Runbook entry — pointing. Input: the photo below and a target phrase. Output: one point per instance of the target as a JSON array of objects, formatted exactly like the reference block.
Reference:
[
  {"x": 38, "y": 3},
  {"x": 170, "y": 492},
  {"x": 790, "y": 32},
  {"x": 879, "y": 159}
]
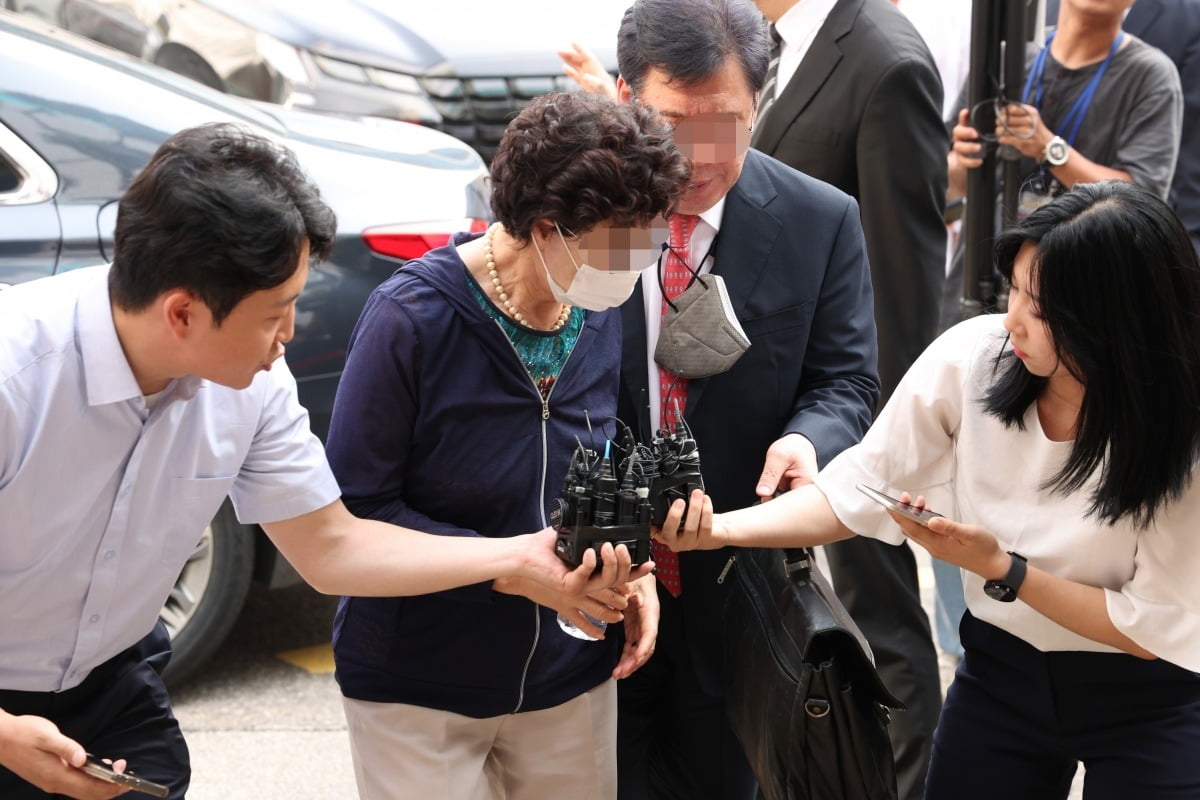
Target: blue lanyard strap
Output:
[{"x": 1074, "y": 119}]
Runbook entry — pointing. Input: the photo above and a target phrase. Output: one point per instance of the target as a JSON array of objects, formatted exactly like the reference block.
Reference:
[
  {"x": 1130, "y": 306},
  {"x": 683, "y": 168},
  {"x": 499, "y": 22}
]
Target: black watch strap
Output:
[{"x": 1005, "y": 590}]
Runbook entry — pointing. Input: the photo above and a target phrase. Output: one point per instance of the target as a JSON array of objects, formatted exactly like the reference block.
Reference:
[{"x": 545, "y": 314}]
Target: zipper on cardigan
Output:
[
  {"x": 537, "y": 618},
  {"x": 725, "y": 570}
]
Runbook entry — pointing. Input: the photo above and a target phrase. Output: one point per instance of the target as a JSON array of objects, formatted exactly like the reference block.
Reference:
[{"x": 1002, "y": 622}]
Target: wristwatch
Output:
[
  {"x": 1005, "y": 589},
  {"x": 1056, "y": 152}
]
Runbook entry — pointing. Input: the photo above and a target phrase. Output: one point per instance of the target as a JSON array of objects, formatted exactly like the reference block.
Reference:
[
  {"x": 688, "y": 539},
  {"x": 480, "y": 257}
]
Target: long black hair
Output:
[{"x": 1118, "y": 286}]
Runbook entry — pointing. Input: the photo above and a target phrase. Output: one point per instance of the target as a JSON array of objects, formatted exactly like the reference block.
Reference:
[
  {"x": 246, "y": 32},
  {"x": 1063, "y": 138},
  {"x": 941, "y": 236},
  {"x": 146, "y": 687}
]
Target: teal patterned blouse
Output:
[{"x": 542, "y": 352}]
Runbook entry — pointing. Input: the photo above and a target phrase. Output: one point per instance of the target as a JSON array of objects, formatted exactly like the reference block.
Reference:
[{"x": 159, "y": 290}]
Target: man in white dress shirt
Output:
[{"x": 133, "y": 399}]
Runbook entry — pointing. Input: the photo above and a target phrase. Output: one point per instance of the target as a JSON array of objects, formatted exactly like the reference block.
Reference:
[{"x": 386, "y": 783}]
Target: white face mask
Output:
[{"x": 591, "y": 288}]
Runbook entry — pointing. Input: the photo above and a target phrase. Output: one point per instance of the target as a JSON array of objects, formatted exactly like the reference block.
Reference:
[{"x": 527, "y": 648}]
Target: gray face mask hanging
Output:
[{"x": 700, "y": 335}]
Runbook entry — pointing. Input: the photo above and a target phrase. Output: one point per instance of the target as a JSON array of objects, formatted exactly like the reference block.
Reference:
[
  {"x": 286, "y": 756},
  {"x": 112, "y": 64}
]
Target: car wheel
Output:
[{"x": 209, "y": 594}]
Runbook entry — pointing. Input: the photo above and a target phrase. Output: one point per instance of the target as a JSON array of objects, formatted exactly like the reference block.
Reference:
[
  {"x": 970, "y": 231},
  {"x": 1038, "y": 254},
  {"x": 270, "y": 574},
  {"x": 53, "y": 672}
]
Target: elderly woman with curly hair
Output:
[{"x": 471, "y": 375}]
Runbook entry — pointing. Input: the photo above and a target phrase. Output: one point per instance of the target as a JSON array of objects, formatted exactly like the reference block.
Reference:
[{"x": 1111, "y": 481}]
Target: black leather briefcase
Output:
[{"x": 801, "y": 691}]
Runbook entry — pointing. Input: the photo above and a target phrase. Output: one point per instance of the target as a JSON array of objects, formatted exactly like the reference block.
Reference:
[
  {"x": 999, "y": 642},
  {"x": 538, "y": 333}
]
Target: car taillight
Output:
[{"x": 415, "y": 239}]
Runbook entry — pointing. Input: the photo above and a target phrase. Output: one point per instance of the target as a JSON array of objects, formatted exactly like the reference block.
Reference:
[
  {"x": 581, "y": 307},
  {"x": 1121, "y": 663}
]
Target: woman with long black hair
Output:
[{"x": 1060, "y": 442}]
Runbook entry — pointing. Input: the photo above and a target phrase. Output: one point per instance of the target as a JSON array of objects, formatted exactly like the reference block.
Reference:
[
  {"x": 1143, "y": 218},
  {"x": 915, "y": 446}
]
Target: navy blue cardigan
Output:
[{"x": 437, "y": 426}]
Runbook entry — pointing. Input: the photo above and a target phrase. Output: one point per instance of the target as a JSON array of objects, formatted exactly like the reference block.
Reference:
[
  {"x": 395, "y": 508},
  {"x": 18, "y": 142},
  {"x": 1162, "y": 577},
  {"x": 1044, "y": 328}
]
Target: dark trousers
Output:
[
  {"x": 121, "y": 710},
  {"x": 1017, "y": 720},
  {"x": 673, "y": 738},
  {"x": 877, "y": 583}
]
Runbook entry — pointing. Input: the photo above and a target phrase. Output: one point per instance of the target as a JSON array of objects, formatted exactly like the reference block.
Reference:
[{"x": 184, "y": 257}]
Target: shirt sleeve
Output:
[
  {"x": 911, "y": 446},
  {"x": 285, "y": 474},
  {"x": 1148, "y": 142},
  {"x": 1159, "y": 607}
]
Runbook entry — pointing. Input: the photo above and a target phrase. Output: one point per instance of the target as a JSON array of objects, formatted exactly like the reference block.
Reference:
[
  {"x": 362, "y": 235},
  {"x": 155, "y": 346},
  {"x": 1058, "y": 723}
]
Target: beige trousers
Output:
[{"x": 568, "y": 751}]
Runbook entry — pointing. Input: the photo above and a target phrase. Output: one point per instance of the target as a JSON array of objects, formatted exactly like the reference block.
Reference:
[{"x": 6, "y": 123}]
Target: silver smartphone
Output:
[
  {"x": 97, "y": 768},
  {"x": 921, "y": 516}
]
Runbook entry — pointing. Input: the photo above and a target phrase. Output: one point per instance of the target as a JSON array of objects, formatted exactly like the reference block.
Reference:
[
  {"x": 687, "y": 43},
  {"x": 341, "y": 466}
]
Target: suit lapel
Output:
[
  {"x": 745, "y": 243},
  {"x": 818, "y": 64}
]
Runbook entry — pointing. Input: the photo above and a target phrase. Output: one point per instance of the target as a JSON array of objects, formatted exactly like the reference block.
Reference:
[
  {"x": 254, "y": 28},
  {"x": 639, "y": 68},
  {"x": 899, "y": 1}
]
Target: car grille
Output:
[{"x": 477, "y": 110}]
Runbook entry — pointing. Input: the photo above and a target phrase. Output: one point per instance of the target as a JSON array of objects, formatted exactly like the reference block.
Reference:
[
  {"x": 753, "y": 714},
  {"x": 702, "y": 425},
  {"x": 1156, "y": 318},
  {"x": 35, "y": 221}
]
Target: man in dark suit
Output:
[
  {"x": 791, "y": 251},
  {"x": 1173, "y": 26},
  {"x": 856, "y": 101}
]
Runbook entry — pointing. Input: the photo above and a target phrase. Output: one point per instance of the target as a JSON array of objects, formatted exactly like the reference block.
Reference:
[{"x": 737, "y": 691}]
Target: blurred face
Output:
[
  {"x": 712, "y": 127},
  {"x": 253, "y": 334},
  {"x": 1029, "y": 335},
  {"x": 1097, "y": 10},
  {"x": 621, "y": 249}
]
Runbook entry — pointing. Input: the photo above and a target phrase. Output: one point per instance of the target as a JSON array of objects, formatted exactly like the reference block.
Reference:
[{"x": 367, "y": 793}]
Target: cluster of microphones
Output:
[{"x": 618, "y": 496}]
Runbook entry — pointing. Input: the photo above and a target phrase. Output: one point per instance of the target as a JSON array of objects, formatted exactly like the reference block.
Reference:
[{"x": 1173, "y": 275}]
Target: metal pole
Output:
[
  {"x": 979, "y": 214},
  {"x": 1014, "y": 80}
]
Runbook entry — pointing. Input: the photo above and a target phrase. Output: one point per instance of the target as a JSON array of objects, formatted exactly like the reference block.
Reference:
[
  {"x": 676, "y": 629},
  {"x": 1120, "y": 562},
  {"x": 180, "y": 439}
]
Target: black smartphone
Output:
[
  {"x": 921, "y": 516},
  {"x": 96, "y": 767}
]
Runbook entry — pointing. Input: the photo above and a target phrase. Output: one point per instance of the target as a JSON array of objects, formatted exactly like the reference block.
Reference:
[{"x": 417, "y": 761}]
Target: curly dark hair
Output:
[
  {"x": 581, "y": 159},
  {"x": 219, "y": 211}
]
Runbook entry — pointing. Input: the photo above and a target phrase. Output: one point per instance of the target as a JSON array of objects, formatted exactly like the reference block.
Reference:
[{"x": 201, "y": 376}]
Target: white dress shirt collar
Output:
[
  {"x": 106, "y": 371},
  {"x": 798, "y": 28}
]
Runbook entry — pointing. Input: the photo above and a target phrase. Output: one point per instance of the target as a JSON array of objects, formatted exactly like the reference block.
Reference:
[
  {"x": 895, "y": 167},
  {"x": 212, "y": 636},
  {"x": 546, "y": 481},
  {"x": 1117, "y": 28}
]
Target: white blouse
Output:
[{"x": 934, "y": 438}]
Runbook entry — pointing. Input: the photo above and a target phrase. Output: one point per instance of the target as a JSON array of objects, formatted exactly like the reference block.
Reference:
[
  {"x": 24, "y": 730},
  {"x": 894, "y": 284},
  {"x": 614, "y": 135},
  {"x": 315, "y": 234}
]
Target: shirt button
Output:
[
  {"x": 108, "y": 554},
  {"x": 94, "y": 618},
  {"x": 125, "y": 491}
]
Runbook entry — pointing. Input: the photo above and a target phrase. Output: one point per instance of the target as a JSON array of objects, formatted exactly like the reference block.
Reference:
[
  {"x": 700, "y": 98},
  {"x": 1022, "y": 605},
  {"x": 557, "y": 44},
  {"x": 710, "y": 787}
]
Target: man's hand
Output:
[
  {"x": 540, "y": 563},
  {"x": 641, "y": 627},
  {"x": 36, "y": 751},
  {"x": 605, "y": 604},
  {"x": 580, "y": 64},
  {"x": 791, "y": 462},
  {"x": 1020, "y": 126},
  {"x": 966, "y": 152}
]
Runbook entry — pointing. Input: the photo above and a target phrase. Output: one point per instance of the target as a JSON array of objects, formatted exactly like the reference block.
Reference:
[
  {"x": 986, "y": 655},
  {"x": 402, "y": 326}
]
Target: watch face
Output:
[
  {"x": 998, "y": 591},
  {"x": 1056, "y": 152}
]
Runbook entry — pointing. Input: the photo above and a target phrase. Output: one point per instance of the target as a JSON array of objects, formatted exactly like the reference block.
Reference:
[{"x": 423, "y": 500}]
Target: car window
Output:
[
  {"x": 25, "y": 177},
  {"x": 9, "y": 179}
]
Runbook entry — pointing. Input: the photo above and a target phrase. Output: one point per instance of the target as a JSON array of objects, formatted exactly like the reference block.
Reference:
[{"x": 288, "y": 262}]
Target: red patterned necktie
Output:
[{"x": 672, "y": 390}]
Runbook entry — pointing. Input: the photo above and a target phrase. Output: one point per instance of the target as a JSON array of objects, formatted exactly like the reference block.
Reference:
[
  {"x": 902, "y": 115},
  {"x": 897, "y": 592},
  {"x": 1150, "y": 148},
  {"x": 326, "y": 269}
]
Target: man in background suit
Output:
[
  {"x": 857, "y": 102},
  {"x": 791, "y": 251},
  {"x": 1173, "y": 26}
]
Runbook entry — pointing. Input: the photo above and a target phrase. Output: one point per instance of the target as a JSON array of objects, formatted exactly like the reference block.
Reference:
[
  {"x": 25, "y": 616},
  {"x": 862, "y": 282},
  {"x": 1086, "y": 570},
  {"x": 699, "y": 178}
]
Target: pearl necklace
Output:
[{"x": 502, "y": 294}]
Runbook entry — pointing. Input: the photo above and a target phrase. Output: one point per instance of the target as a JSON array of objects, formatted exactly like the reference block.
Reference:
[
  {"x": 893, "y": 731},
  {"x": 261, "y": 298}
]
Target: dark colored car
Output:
[
  {"x": 464, "y": 66},
  {"x": 77, "y": 121}
]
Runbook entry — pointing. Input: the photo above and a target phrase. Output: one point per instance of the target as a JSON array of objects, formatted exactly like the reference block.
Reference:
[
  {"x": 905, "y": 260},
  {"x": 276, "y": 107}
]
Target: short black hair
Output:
[
  {"x": 581, "y": 159},
  {"x": 219, "y": 211},
  {"x": 691, "y": 40},
  {"x": 1118, "y": 284}
]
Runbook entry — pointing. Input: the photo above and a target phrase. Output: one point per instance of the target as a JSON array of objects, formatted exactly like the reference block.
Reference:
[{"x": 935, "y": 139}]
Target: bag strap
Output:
[{"x": 798, "y": 559}]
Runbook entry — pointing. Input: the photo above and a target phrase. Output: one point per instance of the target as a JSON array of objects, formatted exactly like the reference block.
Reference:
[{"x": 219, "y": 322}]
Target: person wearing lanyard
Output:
[
  {"x": 1098, "y": 104},
  {"x": 1057, "y": 149}
]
